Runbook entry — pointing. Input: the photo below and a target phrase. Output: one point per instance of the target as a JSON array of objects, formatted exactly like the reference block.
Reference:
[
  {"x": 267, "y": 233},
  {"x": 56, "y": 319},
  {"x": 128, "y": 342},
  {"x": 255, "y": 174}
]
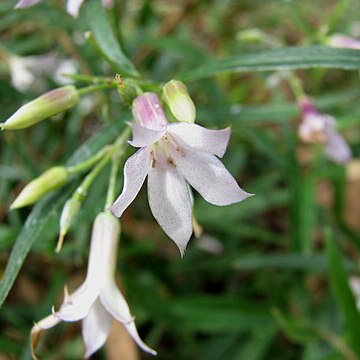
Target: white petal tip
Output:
[{"x": 115, "y": 211}]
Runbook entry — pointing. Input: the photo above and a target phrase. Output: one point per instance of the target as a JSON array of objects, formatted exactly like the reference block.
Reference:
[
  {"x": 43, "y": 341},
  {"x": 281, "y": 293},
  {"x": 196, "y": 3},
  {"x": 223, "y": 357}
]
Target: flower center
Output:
[{"x": 161, "y": 151}]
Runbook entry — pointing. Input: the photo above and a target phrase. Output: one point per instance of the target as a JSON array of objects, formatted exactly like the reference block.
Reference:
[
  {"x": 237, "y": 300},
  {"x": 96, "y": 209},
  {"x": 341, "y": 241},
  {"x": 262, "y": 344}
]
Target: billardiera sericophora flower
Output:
[
  {"x": 46, "y": 105},
  {"x": 72, "y": 6},
  {"x": 343, "y": 41},
  {"x": 172, "y": 156},
  {"x": 98, "y": 300},
  {"x": 316, "y": 127}
]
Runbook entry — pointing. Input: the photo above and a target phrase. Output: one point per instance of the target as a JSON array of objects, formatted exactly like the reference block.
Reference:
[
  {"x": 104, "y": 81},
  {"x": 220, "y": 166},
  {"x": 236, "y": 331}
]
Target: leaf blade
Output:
[{"x": 280, "y": 59}]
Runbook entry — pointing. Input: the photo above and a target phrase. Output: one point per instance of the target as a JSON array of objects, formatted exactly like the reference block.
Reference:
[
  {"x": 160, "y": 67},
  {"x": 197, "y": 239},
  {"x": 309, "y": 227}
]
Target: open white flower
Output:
[
  {"x": 98, "y": 299},
  {"x": 173, "y": 156}
]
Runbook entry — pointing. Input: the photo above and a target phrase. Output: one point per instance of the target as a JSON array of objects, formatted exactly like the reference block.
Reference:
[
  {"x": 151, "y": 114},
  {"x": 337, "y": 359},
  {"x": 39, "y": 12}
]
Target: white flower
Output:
[
  {"x": 173, "y": 156},
  {"x": 72, "y": 6},
  {"x": 316, "y": 127},
  {"x": 98, "y": 299}
]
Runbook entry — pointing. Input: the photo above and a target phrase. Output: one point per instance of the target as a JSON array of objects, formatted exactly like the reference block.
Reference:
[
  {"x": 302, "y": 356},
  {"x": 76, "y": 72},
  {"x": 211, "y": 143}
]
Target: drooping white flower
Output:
[
  {"x": 316, "y": 127},
  {"x": 172, "y": 157},
  {"x": 98, "y": 299},
  {"x": 72, "y": 6}
]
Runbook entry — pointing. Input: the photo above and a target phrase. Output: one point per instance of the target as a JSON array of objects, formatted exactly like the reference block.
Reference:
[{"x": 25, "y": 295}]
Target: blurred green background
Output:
[{"x": 268, "y": 277}]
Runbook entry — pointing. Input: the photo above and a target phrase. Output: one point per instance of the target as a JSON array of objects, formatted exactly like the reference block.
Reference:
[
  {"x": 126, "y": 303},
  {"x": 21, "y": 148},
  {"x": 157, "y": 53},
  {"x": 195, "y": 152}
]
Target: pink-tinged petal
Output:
[
  {"x": 147, "y": 111},
  {"x": 77, "y": 306},
  {"x": 208, "y": 176},
  {"x": 131, "y": 329},
  {"x": 336, "y": 148},
  {"x": 198, "y": 138},
  {"x": 73, "y": 7},
  {"x": 108, "y": 3},
  {"x": 135, "y": 171},
  {"x": 170, "y": 203},
  {"x": 95, "y": 328},
  {"x": 115, "y": 303},
  {"x": 143, "y": 136},
  {"x": 26, "y": 3}
]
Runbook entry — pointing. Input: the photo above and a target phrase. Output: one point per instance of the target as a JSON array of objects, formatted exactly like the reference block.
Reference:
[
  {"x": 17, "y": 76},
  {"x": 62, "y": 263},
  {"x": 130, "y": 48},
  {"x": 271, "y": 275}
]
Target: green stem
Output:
[
  {"x": 118, "y": 152},
  {"x": 85, "y": 165},
  {"x": 89, "y": 89},
  {"x": 296, "y": 86}
]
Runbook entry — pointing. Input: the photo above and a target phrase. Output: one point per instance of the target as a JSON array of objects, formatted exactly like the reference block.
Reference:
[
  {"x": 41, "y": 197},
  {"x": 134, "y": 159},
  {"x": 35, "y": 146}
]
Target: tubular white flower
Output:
[
  {"x": 173, "y": 155},
  {"x": 98, "y": 299}
]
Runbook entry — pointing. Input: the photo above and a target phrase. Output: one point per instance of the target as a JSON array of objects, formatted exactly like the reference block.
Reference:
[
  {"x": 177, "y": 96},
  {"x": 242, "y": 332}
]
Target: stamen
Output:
[
  {"x": 171, "y": 161},
  {"x": 153, "y": 160}
]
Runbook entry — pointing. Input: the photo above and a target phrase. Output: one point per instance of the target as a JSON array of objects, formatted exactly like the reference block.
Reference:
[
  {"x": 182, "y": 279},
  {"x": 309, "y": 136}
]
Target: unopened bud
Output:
[
  {"x": 177, "y": 97},
  {"x": 71, "y": 208},
  {"x": 48, "y": 104},
  {"x": 36, "y": 189},
  {"x": 126, "y": 89}
]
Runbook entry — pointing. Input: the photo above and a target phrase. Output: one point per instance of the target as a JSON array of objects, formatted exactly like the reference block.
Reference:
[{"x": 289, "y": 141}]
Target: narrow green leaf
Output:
[
  {"x": 342, "y": 292},
  {"x": 106, "y": 40},
  {"x": 280, "y": 59},
  {"x": 47, "y": 210}
]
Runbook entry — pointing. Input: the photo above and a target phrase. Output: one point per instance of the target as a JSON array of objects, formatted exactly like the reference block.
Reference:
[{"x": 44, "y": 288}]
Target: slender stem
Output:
[
  {"x": 85, "y": 165},
  {"x": 110, "y": 196},
  {"x": 119, "y": 150},
  {"x": 92, "y": 88},
  {"x": 296, "y": 86}
]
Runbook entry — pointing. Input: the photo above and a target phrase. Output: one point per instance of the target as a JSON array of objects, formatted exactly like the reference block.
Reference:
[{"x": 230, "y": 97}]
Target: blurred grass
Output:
[{"x": 267, "y": 293}]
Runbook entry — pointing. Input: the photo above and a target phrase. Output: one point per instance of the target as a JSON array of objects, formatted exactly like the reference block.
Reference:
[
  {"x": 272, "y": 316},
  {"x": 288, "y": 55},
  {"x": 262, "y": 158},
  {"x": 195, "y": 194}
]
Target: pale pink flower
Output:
[
  {"x": 98, "y": 300},
  {"x": 316, "y": 127},
  {"x": 72, "y": 6},
  {"x": 174, "y": 156},
  {"x": 354, "y": 282},
  {"x": 344, "y": 41}
]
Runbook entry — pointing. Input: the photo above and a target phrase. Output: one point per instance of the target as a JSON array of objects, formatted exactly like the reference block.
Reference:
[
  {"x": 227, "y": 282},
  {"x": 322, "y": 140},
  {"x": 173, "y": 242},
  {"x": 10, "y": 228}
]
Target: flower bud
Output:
[
  {"x": 36, "y": 189},
  {"x": 70, "y": 210},
  {"x": 177, "y": 97},
  {"x": 126, "y": 89},
  {"x": 46, "y": 105},
  {"x": 147, "y": 111}
]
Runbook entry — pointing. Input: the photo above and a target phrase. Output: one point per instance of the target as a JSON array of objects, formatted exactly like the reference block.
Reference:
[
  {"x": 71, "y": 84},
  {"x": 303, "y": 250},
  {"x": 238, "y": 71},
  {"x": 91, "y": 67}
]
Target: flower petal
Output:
[
  {"x": 135, "y": 171},
  {"x": 336, "y": 148},
  {"x": 73, "y": 7},
  {"x": 143, "y": 136},
  {"x": 38, "y": 329},
  {"x": 115, "y": 303},
  {"x": 170, "y": 203},
  {"x": 131, "y": 329},
  {"x": 26, "y": 3},
  {"x": 78, "y": 304},
  {"x": 95, "y": 328},
  {"x": 198, "y": 138},
  {"x": 208, "y": 176}
]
